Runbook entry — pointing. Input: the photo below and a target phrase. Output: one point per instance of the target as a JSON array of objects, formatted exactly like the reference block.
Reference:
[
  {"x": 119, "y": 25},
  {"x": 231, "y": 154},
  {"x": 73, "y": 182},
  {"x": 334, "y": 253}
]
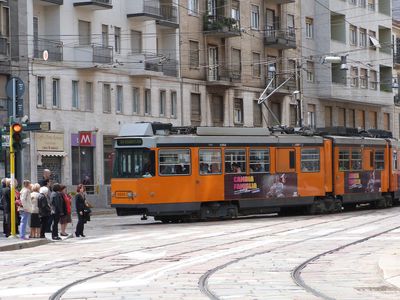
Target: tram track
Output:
[{"x": 204, "y": 279}]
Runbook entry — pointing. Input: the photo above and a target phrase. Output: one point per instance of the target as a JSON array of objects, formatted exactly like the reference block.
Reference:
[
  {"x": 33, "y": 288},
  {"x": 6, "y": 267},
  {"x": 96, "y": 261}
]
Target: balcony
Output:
[
  {"x": 4, "y": 48},
  {"x": 53, "y": 47},
  {"x": 164, "y": 14},
  {"x": 94, "y": 4},
  {"x": 223, "y": 76},
  {"x": 280, "y": 39},
  {"x": 281, "y": 1},
  {"x": 93, "y": 54},
  {"x": 102, "y": 55},
  {"x": 220, "y": 26},
  {"x": 52, "y": 2},
  {"x": 396, "y": 100},
  {"x": 146, "y": 65}
]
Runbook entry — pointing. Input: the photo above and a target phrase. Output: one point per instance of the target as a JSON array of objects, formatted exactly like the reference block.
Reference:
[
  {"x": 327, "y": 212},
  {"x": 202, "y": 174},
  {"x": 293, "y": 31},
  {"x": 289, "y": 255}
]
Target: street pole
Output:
[{"x": 12, "y": 164}]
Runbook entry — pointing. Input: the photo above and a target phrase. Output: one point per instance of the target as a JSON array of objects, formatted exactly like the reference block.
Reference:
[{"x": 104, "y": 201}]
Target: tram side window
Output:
[
  {"x": 210, "y": 161},
  {"x": 379, "y": 160},
  {"x": 344, "y": 160},
  {"x": 134, "y": 163},
  {"x": 235, "y": 161},
  {"x": 356, "y": 160},
  {"x": 310, "y": 160},
  {"x": 174, "y": 162},
  {"x": 394, "y": 160},
  {"x": 259, "y": 161}
]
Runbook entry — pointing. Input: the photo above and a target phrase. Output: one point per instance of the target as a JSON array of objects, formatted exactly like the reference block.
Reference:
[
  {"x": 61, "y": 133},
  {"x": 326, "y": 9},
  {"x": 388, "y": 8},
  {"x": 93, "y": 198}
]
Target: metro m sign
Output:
[{"x": 85, "y": 138}]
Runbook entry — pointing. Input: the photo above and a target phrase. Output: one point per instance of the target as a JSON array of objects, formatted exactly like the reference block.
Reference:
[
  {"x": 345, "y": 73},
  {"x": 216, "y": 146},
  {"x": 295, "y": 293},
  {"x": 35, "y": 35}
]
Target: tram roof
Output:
[{"x": 356, "y": 140}]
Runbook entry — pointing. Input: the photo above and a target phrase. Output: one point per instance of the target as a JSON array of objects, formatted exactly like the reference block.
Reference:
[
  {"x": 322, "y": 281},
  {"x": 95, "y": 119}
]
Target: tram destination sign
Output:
[{"x": 129, "y": 142}]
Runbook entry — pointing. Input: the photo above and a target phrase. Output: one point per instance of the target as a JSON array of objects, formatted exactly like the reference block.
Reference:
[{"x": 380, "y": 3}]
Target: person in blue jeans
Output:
[{"x": 26, "y": 209}]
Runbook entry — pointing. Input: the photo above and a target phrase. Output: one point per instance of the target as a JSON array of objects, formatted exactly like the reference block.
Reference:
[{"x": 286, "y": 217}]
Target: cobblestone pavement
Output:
[{"x": 250, "y": 258}]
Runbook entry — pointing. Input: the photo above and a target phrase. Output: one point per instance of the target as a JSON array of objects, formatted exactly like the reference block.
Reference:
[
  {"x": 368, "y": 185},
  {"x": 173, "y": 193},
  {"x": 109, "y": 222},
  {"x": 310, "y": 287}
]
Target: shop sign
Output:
[
  {"x": 83, "y": 139},
  {"x": 49, "y": 141}
]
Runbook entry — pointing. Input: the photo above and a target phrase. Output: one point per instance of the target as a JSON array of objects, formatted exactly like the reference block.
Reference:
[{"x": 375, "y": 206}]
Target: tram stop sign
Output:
[{"x": 19, "y": 87}]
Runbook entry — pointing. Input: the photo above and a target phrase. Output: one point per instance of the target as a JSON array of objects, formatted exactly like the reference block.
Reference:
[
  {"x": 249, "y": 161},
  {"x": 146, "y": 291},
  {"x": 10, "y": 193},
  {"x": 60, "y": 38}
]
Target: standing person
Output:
[
  {"x": 80, "y": 209},
  {"x": 35, "y": 220},
  {"x": 45, "y": 181},
  {"x": 2, "y": 186},
  {"x": 44, "y": 209},
  {"x": 6, "y": 200},
  {"x": 26, "y": 209},
  {"x": 57, "y": 209},
  {"x": 64, "y": 220}
]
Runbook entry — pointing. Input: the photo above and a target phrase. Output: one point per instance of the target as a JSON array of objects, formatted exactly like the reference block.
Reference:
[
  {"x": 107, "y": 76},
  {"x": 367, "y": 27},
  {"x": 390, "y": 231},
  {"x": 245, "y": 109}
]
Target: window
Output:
[
  {"x": 386, "y": 121},
  {"x": 363, "y": 38},
  {"x": 75, "y": 94},
  {"x": 163, "y": 96},
  {"x": 341, "y": 116},
  {"x": 309, "y": 28},
  {"x": 41, "y": 91},
  {"x": 84, "y": 33},
  {"x": 89, "y": 96},
  {"x": 373, "y": 42},
  {"x": 174, "y": 162},
  {"x": 373, "y": 119},
  {"x": 193, "y": 7},
  {"x": 379, "y": 160},
  {"x": 310, "y": 71},
  {"x": 259, "y": 161},
  {"x": 363, "y": 78},
  {"x": 236, "y": 63},
  {"x": 356, "y": 160},
  {"x": 371, "y": 5},
  {"x": 195, "y": 104},
  {"x": 328, "y": 116},
  {"x": 117, "y": 39},
  {"x": 106, "y": 98},
  {"x": 210, "y": 161},
  {"x": 147, "y": 102},
  {"x": 351, "y": 114},
  {"x": 255, "y": 17},
  {"x": 256, "y": 65},
  {"x": 235, "y": 11},
  {"x": 5, "y": 21},
  {"x": 293, "y": 115},
  {"x": 82, "y": 160},
  {"x": 354, "y": 76},
  {"x": 344, "y": 160},
  {"x": 235, "y": 161},
  {"x": 134, "y": 163},
  {"x": 194, "y": 60},
  {"x": 238, "y": 111},
  {"x": 56, "y": 93},
  {"x": 108, "y": 158},
  {"x": 257, "y": 114},
  {"x": 310, "y": 160},
  {"x": 290, "y": 26},
  {"x": 373, "y": 81},
  {"x": 360, "y": 119},
  {"x": 363, "y": 3},
  {"x": 35, "y": 27},
  {"x": 136, "y": 41},
  {"x": 104, "y": 35},
  {"x": 120, "y": 99},
  {"x": 354, "y": 2},
  {"x": 135, "y": 101},
  {"x": 353, "y": 35},
  {"x": 173, "y": 104},
  {"x": 311, "y": 115}
]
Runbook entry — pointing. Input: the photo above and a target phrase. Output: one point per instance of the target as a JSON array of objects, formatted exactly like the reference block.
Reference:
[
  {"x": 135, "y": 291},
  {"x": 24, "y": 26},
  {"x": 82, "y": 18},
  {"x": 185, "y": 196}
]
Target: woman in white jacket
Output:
[{"x": 26, "y": 209}]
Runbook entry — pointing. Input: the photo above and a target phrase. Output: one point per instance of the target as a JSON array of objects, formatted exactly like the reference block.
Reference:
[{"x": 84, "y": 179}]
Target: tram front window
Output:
[{"x": 134, "y": 163}]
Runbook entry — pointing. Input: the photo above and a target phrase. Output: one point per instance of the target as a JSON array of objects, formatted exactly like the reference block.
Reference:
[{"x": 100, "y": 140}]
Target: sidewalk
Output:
[
  {"x": 15, "y": 243},
  {"x": 389, "y": 265}
]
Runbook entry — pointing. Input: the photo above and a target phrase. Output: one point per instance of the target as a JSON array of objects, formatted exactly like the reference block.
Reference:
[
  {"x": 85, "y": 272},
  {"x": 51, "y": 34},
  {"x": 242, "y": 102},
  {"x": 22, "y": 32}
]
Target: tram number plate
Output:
[{"x": 121, "y": 194}]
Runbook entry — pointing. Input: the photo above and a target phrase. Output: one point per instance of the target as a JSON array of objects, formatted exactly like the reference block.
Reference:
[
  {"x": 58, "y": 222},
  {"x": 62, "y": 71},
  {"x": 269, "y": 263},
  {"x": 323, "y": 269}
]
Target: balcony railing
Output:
[
  {"x": 169, "y": 67},
  {"x": 53, "y": 47},
  {"x": 4, "y": 46},
  {"x": 58, "y": 2},
  {"x": 280, "y": 39},
  {"x": 221, "y": 73},
  {"x": 102, "y": 54},
  {"x": 94, "y": 4},
  {"x": 165, "y": 12},
  {"x": 221, "y": 26}
]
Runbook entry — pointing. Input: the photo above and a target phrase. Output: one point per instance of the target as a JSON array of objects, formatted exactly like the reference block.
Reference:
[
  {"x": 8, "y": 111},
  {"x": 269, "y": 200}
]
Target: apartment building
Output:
[
  {"x": 94, "y": 65},
  {"x": 359, "y": 93},
  {"x": 229, "y": 51}
]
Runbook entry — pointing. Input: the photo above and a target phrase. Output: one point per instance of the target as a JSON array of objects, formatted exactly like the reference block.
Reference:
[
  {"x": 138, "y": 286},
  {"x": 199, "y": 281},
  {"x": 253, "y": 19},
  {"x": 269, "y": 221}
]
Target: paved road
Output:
[{"x": 253, "y": 258}]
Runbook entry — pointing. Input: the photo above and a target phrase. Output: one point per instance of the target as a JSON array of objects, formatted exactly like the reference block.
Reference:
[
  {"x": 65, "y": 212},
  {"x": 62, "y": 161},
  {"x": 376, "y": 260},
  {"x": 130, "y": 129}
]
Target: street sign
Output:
[
  {"x": 37, "y": 126},
  {"x": 19, "y": 87}
]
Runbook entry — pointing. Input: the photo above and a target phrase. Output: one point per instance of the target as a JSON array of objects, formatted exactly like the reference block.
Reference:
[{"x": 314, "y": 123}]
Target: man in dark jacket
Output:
[
  {"x": 6, "y": 201},
  {"x": 44, "y": 210},
  {"x": 58, "y": 209}
]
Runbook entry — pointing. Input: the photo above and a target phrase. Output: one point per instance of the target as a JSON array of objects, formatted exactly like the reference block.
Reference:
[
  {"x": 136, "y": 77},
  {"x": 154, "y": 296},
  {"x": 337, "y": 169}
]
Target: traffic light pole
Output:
[{"x": 12, "y": 163}]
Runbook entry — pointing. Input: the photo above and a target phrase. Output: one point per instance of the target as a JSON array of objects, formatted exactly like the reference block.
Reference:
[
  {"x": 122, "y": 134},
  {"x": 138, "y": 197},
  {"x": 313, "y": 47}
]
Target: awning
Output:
[
  {"x": 52, "y": 153},
  {"x": 374, "y": 42}
]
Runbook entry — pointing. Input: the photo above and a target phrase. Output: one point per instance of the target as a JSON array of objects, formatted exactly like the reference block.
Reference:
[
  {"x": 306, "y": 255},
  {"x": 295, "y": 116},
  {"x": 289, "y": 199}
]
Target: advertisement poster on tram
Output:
[
  {"x": 362, "y": 182},
  {"x": 255, "y": 186}
]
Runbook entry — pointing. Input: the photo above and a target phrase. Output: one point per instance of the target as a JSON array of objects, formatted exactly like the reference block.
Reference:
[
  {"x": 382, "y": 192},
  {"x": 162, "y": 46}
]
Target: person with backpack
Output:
[
  {"x": 44, "y": 209},
  {"x": 57, "y": 209}
]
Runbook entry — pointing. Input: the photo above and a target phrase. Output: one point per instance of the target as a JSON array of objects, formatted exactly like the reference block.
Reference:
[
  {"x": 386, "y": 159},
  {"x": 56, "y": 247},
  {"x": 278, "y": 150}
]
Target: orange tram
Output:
[{"x": 181, "y": 174}]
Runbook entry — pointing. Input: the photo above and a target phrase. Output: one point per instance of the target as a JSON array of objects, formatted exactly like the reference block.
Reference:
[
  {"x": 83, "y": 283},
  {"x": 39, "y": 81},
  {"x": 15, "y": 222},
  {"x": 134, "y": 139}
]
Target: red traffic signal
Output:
[{"x": 17, "y": 128}]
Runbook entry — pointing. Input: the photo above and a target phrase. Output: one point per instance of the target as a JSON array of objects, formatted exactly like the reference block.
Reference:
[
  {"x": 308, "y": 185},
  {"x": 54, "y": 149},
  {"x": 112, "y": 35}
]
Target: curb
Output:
[
  {"x": 24, "y": 245},
  {"x": 389, "y": 267}
]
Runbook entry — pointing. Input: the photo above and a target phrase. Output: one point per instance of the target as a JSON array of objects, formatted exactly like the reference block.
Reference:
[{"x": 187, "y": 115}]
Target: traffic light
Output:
[{"x": 17, "y": 136}]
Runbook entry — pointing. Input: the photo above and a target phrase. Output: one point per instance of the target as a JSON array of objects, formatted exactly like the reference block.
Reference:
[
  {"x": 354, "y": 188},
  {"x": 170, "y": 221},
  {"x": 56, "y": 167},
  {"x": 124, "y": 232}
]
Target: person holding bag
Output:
[{"x": 80, "y": 204}]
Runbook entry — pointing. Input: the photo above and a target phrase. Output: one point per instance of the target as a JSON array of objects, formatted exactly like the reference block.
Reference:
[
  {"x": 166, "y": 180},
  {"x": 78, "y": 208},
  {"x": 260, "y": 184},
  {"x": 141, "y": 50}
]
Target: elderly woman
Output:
[
  {"x": 44, "y": 209},
  {"x": 35, "y": 220}
]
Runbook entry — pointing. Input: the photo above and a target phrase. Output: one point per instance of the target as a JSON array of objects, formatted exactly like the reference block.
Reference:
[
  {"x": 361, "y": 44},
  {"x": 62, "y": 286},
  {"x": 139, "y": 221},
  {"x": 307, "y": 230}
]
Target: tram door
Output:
[{"x": 286, "y": 160}]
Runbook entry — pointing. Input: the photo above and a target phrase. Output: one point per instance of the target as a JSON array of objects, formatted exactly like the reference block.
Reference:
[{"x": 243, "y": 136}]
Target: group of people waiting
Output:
[{"x": 43, "y": 206}]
